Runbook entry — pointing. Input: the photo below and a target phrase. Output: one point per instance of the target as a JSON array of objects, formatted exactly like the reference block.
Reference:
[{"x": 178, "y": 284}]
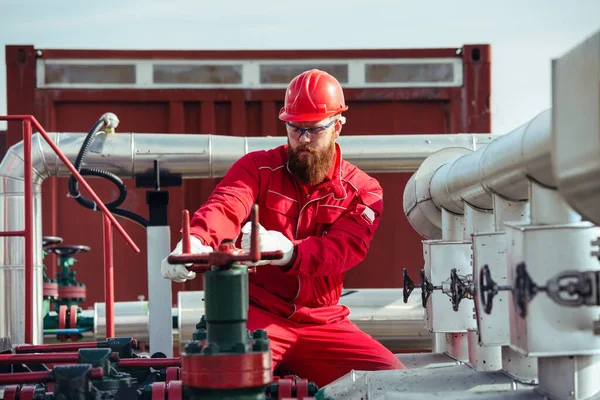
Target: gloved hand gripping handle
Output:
[{"x": 227, "y": 254}]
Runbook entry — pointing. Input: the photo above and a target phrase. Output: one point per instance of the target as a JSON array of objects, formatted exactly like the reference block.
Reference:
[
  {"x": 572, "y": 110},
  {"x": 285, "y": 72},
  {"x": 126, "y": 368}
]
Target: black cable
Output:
[{"x": 90, "y": 204}]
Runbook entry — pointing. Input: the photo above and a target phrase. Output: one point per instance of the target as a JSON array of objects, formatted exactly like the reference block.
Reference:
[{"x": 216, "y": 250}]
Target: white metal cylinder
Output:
[
  {"x": 482, "y": 358},
  {"x": 12, "y": 267},
  {"x": 570, "y": 377},
  {"x": 159, "y": 291}
]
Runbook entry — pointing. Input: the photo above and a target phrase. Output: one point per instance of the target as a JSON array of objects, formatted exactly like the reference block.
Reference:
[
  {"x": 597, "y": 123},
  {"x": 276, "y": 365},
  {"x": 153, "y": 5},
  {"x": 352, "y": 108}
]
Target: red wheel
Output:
[
  {"x": 158, "y": 390},
  {"x": 172, "y": 374},
  {"x": 284, "y": 388},
  {"x": 62, "y": 321},
  {"x": 301, "y": 389},
  {"x": 27, "y": 393},
  {"x": 175, "y": 390},
  {"x": 73, "y": 321},
  {"x": 10, "y": 392}
]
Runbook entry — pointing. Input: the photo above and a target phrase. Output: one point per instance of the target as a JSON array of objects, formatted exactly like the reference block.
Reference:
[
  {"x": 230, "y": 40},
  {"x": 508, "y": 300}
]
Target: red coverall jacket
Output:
[{"x": 331, "y": 226}]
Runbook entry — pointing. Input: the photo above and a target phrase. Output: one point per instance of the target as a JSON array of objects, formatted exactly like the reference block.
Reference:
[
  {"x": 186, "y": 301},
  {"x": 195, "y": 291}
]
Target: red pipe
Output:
[
  {"x": 56, "y": 348},
  {"x": 109, "y": 285},
  {"x": 45, "y": 358},
  {"x": 28, "y": 171},
  {"x": 43, "y": 376},
  {"x": 56, "y": 358},
  {"x": 150, "y": 362},
  {"x": 13, "y": 233},
  {"x": 185, "y": 240}
]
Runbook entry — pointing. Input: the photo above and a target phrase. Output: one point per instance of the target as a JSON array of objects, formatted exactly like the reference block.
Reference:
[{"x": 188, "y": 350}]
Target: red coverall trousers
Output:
[{"x": 321, "y": 353}]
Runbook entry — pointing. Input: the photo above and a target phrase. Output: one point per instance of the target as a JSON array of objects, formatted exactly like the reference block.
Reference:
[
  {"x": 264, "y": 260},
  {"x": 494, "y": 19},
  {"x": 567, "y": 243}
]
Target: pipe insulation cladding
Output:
[
  {"x": 128, "y": 155},
  {"x": 454, "y": 176}
]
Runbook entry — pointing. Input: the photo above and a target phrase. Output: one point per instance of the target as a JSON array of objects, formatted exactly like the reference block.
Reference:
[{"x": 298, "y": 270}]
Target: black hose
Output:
[{"x": 90, "y": 204}]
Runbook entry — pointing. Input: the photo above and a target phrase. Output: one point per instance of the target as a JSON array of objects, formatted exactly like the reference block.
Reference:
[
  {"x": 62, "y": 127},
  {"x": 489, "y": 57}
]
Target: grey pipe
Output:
[
  {"x": 454, "y": 177},
  {"x": 193, "y": 156},
  {"x": 503, "y": 168}
]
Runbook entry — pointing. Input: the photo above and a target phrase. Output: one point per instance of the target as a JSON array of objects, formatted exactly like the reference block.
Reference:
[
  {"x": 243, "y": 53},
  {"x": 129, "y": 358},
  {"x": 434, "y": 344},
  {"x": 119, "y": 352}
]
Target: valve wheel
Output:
[
  {"x": 172, "y": 374},
  {"x": 284, "y": 388},
  {"x": 524, "y": 289},
  {"x": 458, "y": 289},
  {"x": 159, "y": 389},
  {"x": 426, "y": 289},
  {"x": 27, "y": 393},
  {"x": 50, "y": 240},
  {"x": 67, "y": 250},
  {"x": 408, "y": 285},
  {"x": 175, "y": 390},
  {"x": 10, "y": 392},
  {"x": 226, "y": 254},
  {"x": 301, "y": 389},
  {"x": 488, "y": 289},
  {"x": 73, "y": 321},
  {"x": 62, "y": 321}
]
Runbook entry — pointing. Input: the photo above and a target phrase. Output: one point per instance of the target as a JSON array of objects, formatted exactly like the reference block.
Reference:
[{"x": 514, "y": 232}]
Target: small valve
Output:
[
  {"x": 426, "y": 288},
  {"x": 461, "y": 287},
  {"x": 568, "y": 288},
  {"x": 488, "y": 289},
  {"x": 409, "y": 285}
]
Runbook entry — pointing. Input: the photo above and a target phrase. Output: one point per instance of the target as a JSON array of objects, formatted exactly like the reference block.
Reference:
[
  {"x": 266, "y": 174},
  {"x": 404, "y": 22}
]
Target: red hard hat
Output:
[{"x": 312, "y": 96}]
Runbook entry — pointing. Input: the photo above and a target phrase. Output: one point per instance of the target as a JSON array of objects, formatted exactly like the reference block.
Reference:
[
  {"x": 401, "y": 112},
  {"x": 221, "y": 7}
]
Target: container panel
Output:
[{"x": 240, "y": 112}]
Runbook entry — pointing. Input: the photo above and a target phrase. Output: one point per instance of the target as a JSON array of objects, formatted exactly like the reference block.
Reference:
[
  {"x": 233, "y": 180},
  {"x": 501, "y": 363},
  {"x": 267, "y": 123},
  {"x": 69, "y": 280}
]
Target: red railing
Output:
[{"x": 108, "y": 221}]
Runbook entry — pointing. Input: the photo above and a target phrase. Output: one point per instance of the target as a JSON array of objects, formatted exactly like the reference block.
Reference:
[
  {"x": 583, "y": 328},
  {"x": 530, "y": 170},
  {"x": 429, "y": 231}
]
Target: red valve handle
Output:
[{"x": 227, "y": 252}]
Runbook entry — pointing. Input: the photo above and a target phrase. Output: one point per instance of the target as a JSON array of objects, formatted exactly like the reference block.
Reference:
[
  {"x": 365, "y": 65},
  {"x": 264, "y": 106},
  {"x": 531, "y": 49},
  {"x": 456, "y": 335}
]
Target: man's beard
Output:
[{"x": 310, "y": 168}]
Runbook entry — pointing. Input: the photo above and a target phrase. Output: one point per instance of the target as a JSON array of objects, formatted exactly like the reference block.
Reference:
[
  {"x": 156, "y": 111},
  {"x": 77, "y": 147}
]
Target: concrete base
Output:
[{"x": 421, "y": 383}]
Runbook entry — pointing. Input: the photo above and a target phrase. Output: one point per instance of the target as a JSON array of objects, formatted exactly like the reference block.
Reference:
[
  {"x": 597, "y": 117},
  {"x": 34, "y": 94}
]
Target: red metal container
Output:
[{"x": 389, "y": 91}]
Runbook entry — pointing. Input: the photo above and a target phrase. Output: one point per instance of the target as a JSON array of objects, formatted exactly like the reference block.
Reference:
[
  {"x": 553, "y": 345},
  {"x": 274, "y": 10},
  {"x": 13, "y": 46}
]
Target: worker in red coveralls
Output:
[{"x": 322, "y": 213}]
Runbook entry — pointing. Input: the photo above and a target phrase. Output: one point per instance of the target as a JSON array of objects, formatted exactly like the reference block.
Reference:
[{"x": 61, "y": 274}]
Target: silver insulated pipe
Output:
[
  {"x": 129, "y": 154},
  {"x": 504, "y": 167}
]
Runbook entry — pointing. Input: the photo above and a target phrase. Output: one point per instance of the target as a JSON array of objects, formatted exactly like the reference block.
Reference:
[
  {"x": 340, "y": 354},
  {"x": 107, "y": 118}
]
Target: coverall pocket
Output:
[
  {"x": 280, "y": 213},
  {"x": 326, "y": 216}
]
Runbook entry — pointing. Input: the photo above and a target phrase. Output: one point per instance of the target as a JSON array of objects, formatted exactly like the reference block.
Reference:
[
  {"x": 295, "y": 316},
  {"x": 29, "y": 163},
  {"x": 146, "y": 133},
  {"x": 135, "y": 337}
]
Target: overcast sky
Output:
[{"x": 525, "y": 35}]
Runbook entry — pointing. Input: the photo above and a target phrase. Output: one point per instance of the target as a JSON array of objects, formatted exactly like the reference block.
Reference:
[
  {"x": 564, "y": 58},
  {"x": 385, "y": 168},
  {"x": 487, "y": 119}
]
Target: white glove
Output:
[
  {"x": 269, "y": 241},
  {"x": 177, "y": 272}
]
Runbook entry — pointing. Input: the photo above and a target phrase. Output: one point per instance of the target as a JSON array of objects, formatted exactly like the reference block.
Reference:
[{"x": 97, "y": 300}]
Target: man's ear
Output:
[{"x": 338, "y": 127}]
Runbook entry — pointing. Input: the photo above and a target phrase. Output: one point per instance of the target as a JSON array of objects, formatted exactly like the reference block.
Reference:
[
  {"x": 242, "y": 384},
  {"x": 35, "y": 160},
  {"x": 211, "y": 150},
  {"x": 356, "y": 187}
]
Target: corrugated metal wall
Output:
[{"x": 240, "y": 112}]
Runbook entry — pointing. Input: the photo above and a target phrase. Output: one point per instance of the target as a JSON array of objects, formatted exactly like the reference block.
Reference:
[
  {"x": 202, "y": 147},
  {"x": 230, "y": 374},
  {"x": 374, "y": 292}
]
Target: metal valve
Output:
[
  {"x": 457, "y": 287},
  {"x": 409, "y": 286},
  {"x": 488, "y": 289},
  {"x": 568, "y": 288},
  {"x": 227, "y": 254},
  {"x": 426, "y": 287},
  {"x": 461, "y": 287}
]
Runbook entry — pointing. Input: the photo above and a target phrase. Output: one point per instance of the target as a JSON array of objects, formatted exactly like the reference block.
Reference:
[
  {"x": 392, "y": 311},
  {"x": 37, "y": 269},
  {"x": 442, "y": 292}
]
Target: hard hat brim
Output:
[{"x": 311, "y": 117}]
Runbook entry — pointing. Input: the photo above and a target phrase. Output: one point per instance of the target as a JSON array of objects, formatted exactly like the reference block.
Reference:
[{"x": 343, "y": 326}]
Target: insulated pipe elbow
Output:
[{"x": 448, "y": 180}]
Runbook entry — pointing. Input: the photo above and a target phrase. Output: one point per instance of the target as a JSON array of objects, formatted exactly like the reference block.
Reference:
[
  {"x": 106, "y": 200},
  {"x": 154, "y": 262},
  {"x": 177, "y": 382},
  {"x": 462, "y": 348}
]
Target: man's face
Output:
[{"x": 311, "y": 152}]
